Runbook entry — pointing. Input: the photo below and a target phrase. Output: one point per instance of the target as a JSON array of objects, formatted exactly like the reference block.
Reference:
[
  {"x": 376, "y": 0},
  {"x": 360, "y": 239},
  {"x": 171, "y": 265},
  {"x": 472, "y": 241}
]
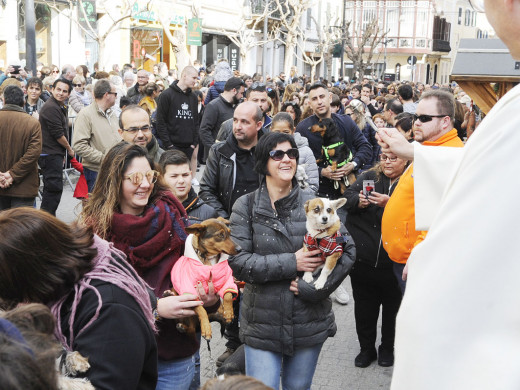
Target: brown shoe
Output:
[{"x": 222, "y": 358}]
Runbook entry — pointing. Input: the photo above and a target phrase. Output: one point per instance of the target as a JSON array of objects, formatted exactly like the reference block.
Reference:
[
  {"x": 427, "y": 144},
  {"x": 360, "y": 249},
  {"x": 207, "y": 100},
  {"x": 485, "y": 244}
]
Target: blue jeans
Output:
[
  {"x": 298, "y": 369},
  {"x": 175, "y": 374},
  {"x": 91, "y": 177}
]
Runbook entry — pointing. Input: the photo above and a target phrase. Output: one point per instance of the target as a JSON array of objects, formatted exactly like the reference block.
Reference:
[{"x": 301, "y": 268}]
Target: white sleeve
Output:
[{"x": 433, "y": 168}]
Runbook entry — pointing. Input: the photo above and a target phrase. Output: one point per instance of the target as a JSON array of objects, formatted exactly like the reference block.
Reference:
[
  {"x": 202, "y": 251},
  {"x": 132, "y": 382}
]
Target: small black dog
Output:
[{"x": 334, "y": 152}]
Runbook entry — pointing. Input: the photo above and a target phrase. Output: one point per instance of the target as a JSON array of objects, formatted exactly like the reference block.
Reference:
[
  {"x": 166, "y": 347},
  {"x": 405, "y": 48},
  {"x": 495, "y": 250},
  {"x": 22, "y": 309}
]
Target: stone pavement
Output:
[{"x": 335, "y": 371}]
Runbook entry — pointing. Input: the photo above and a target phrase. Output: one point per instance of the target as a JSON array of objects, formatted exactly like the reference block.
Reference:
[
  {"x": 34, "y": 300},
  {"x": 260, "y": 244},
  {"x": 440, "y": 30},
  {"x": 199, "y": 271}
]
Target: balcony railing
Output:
[{"x": 258, "y": 7}]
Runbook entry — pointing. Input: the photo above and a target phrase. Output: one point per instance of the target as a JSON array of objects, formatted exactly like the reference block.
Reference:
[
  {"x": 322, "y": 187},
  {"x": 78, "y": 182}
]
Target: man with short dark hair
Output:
[
  {"x": 95, "y": 130},
  {"x": 178, "y": 114},
  {"x": 405, "y": 92},
  {"x": 220, "y": 110},
  {"x": 392, "y": 108},
  {"x": 55, "y": 133},
  {"x": 135, "y": 128},
  {"x": 19, "y": 181}
]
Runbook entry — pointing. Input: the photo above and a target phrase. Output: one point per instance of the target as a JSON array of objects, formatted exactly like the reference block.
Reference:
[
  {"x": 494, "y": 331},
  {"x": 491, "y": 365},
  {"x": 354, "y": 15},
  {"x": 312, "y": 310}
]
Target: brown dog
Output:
[
  {"x": 334, "y": 152},
  {"x": 205, "y": 259},
  {"x": 323, "y": 233}
]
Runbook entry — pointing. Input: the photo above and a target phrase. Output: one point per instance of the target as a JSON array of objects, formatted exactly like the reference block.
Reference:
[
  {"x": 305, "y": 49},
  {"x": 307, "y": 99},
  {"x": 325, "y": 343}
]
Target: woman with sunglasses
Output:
[
  {"x": 79, "y": 97},
  {"x": 373, "y": 281},
  {"x": 133, "y": 208},
  {"x": 284, "y": 321}
]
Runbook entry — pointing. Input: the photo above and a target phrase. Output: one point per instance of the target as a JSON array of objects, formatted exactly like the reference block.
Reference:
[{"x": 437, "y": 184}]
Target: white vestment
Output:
[{"x": 459, "y": 322}]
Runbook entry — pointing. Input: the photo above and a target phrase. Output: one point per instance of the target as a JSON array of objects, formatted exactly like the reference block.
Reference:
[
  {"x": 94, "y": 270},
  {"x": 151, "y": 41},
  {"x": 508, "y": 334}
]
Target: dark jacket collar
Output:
[
  {"x": 12, "y": 107},
  {"x": 191, "y": 200},
  {"x": 176, "y": 88}
]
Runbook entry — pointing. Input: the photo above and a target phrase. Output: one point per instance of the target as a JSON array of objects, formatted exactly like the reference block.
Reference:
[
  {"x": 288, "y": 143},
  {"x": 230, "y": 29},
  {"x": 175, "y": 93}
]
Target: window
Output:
[
  {"x": 460, "y": 16},
  {"x": 309, "y": 18},
  {"x": 467, "y": 18}
]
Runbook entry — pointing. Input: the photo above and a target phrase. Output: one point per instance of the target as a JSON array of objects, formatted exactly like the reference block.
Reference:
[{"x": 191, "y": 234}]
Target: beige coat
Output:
[{"x": 95, "y": 132}]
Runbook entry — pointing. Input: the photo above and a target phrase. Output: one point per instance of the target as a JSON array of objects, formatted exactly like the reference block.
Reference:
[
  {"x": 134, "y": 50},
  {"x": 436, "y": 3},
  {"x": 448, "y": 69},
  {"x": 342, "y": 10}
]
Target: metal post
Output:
[
  {"x": 30, "y": 36},
  {"x": 343, "y": 33},
  {"x": 264, "y": 50}
]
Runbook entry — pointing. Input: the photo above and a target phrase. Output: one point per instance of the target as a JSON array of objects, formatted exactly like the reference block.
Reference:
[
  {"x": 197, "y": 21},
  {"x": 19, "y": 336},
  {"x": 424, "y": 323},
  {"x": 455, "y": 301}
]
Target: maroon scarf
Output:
[{"x": 153, "y": 240}]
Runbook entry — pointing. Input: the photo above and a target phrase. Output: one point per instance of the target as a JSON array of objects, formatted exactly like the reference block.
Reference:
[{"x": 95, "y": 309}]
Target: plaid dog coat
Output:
[{"x": 327, "y": 245}]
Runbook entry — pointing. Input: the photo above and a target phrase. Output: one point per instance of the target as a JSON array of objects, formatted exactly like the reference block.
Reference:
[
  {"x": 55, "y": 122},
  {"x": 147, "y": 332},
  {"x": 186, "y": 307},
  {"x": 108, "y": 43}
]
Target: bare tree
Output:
[
  {"x": 316, "y": 58},
  {"x": 244, "y": 37},
  {"x": 116, "y": 14},
  {"x": 177, "y": 41},
  {"x": 290, "y": 14},
  {"x": 360, "y": 47}
]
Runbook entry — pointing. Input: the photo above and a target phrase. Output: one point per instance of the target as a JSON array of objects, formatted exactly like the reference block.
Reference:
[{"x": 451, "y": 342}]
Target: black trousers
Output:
[
  {"x": 52, "y": 171},
  {"x": 11, "y": 202},
  {"x": 373, "y": 288}
]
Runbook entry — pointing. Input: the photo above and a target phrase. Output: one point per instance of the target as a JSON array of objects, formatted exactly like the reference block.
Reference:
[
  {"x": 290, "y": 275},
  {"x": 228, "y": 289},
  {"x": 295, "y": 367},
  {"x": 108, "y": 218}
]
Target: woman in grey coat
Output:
[{"x": 284, "y": 321}]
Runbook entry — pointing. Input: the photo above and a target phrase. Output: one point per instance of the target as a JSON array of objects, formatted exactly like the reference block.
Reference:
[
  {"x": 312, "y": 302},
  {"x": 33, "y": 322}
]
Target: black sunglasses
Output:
[
  {"x": 77, "y": 85},
  {"x": 277, "y": 155},
  {"x": 426, "y": 118}
]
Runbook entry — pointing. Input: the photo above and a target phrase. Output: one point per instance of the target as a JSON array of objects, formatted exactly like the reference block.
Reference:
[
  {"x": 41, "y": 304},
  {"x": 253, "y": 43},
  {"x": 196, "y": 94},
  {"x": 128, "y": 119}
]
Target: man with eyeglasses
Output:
[
  {"x": 95, "y": 130},
  {"x": 458, "y": 326},
  {"x": 135, "y": 93},
  {"x": 135, "y": 128},
  {"x": 433, "y": 126}
]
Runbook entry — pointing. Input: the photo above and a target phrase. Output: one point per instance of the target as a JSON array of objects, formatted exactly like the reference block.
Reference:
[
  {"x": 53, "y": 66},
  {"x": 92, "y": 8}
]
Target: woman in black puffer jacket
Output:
[
  {"x": 373, "y": 281},
  {"x": 284, "y": 321}
]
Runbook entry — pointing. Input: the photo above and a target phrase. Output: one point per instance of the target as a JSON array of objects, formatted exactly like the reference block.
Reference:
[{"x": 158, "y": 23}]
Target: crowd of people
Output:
[{"x": 139, "y": 137}]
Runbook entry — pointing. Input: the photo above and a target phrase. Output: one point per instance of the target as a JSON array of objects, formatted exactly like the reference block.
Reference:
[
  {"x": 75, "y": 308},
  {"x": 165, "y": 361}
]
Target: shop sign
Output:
[
  {"x": 194, "y": 32},
  {"x": 233, "y": 57},
  {"x": 90, "y": 12},
  {"x": 140, "y": 12}
]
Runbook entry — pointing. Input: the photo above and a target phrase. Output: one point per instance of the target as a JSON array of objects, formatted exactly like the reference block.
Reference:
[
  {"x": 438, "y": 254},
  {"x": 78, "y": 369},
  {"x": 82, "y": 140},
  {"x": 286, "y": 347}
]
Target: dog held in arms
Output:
[
  {"x": 334, "y": 152},
  {"x": 206, "y": 251},
  {"x": 323, "y": 233}
]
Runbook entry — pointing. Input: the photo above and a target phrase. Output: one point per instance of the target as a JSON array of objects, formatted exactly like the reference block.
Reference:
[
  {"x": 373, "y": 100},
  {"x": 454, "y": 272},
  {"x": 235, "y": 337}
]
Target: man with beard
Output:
[{"x": 220, "y": 110}]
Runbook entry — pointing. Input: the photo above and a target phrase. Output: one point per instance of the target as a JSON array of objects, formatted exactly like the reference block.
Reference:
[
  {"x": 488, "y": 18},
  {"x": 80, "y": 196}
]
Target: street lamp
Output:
[{"x": 343, "y": 32}]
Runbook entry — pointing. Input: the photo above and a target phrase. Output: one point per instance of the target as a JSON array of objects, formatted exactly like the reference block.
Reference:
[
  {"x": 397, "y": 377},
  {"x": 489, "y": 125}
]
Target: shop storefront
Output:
[{"x": 215, "y": 47}]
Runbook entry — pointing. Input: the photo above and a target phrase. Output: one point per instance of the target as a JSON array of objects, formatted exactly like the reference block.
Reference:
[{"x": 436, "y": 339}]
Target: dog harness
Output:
[
  {"x": 327, "y": 157},
  {"x": 327, "y": 245},
  {"x": 189, "y": 270}
]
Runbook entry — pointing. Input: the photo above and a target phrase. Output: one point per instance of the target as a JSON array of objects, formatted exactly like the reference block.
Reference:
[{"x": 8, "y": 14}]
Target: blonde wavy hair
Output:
[{"x": 358, "y": 108}]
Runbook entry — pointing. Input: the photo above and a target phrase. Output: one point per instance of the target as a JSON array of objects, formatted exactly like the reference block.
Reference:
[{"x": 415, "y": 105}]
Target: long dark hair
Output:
[{"x": 41, "y": 257}]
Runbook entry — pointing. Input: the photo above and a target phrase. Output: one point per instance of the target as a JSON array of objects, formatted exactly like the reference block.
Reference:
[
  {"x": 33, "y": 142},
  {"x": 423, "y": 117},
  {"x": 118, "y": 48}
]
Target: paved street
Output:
[{"x": 335, "y": 371}]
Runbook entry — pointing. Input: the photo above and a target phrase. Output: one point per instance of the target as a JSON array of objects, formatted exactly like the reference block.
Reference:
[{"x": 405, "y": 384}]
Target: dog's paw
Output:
[
  {"x": 307, "y": 276},
  {"x": 168, "y": 293},
  {"x": 320, "y": 282}
]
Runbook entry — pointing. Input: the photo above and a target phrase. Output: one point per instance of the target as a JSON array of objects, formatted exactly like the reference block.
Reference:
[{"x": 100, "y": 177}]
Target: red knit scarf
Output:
[{"x": 155, "y": 236}]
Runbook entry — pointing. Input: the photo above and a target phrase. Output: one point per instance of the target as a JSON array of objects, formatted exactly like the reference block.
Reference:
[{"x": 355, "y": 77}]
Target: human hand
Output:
[
  {"x": 210, "y": 298},
  {"x": 70, "y": 152},
  {"x": 392, "y": 141},
  {"x": 405, "y": 273},
  {"x": 365, "y": 99},
  {"x": 35, "y": 115},
  {"x": 306, "y": 261},
  {"x": 378, "y": 199},
  {"x": 363, "y": 201},
  {"x": 294, "y": 286},
  {"x": 178, "y": 306}
]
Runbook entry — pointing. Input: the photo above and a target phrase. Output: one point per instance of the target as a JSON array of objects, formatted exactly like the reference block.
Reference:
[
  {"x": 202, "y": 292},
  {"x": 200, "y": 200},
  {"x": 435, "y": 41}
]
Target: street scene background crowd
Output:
[{"x": 138, "y": 140}]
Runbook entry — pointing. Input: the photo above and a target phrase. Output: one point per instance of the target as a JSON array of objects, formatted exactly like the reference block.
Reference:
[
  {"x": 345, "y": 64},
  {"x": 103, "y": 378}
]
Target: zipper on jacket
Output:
[{"x": 379, "y": 250}]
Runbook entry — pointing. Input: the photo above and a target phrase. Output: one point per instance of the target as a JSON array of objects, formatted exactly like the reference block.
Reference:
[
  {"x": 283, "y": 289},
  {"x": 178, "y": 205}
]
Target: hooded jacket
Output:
[{"x": 177, "y": 117}]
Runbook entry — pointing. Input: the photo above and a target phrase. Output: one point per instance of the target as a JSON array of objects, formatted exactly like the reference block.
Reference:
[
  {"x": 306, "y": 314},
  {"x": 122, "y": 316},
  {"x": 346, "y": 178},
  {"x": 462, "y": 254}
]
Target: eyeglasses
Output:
[
  {"x": 77, "y": 85},
  {"x": 426, "y": 118},
  {"x": 478, "y": 5},
  {"x": 55, "y": 71},
  {"x": 137, "y": 177},
  {"x": 277, "y": 155},
  {"x": 135, "y": 130},
  {"x": 384, "y": 157},
  {"x": 112, "y": 93}
]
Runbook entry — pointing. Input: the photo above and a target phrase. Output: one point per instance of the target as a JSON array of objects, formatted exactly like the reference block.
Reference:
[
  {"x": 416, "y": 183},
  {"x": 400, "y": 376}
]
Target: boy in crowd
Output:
[{"x": 175, "y": 167}]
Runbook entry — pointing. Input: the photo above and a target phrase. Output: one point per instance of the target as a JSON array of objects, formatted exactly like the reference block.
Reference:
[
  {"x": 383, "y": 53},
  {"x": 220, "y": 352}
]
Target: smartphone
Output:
[
  {"x": 16, "y": 69},
  {"x": 368, "y": 187}
]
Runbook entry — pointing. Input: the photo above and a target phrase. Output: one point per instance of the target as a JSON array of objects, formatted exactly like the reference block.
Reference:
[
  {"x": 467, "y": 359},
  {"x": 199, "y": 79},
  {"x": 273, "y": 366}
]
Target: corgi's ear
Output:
[
  {"x": 196, "y": 229},
  {"x": 223, "y": 220},
  {"x": 338, "y": 203},
  {"x": 306, "y": 206}
]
